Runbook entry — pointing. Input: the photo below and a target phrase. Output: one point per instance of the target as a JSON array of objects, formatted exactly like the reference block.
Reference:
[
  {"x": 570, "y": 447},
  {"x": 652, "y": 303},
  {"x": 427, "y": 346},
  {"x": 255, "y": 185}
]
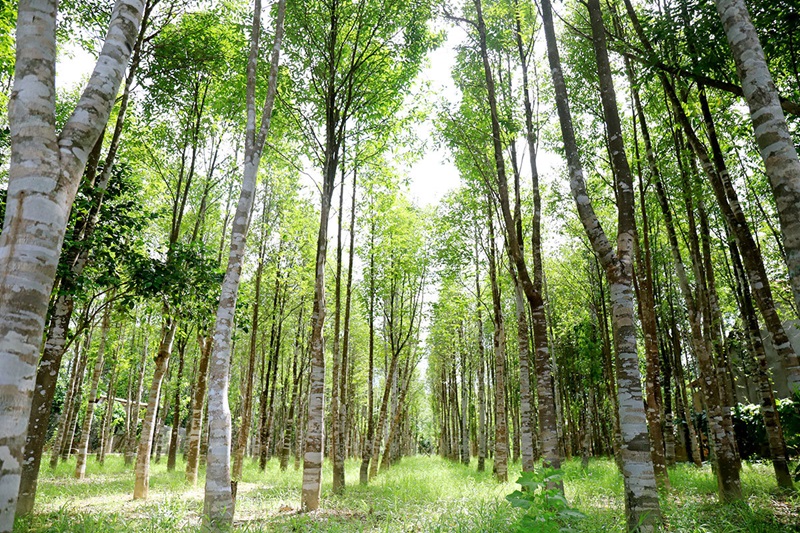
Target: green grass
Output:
[{"x": 420, "y": 494}]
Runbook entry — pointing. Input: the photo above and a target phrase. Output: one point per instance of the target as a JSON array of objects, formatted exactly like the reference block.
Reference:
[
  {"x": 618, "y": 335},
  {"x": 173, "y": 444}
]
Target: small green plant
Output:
[{"x": 546, "y": 509}]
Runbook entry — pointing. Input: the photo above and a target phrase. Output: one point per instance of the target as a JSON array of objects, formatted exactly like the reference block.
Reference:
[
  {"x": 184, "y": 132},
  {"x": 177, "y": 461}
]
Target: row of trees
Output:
[
  {"x": 184, "y": 138},
  {"x": 694, "y": 273},
  {"x": 123, "y": 201}
]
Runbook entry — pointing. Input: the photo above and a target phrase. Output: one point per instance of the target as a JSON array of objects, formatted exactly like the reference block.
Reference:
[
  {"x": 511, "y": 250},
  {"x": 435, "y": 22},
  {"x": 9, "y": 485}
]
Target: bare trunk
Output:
[
  {"x": 135, "y": 410},
  {"x": 464, "y": 401},
  {"x": 336, "y": 435},
  {"x": 315, "y": 430},
  {"x": 382, "y": 415},
  {"x": 219, "y": 499},
  {"x": 367, "y": 452},
  {"x": 772, "y": 421},
  {"x": 480, "y": 364},
  {"x": 107, "y": 436},
  {"x": 501, "y": 427},
  {"x": 44, "y": 173},
  {"x": 81, "y": 354},
  {"x": 142, "y": 470},
  {"x": 172, "y": 453},
  {"x": 771, "y": 131},
  {"x": 394, "y": 427},
  {"x": 641, "y": 497},
  {"x": 198, "y": 400},
  {"x": 86, "y": 429},
  {"x": 247, "y": 403},
  {"x": 719, "y": 430}
]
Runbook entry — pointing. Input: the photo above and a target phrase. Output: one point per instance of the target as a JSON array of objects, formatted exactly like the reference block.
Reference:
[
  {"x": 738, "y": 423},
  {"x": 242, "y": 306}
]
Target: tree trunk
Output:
[
  {"x": 76, "y": 378},
  {"x": 772, "y": 421},
  {"x": 315, "y": 430},
  {"x": 106, "y": 433},
  {"x": 480, "y": 366},
  {"x": 341, "y": 417},
  {"x": 501, "y": 427},
  {"x": 641, "y": 497},
  {"x": 219, "y": 500},
  {"x": 289, "y": 436},
  {"x": 464, "y": 400},
  {"x": 142, "y": 470},
  {"x": 161, "y": 414},
  {"x": 382, "y": 415},
  {"x": 86, "y": 429},
  {"x": 367, "y": 452},
  {"x": 525, "y": 428},
  {"x": 135, "y": 410},
  {"x": 44, "y": 173},
  {"x": 647, "y": 309},
  {"x": 771, "y": 131},
  {"x": 193, "y": 435},
  {"x": 172, "y": 453},
  {"x": 336, "y": 435},
  {"x": 394, "y": 427},
  {"x": 720, "y": 431},
  {"x": 546, "y": 415},
  {"x": 247, "y": 403}
]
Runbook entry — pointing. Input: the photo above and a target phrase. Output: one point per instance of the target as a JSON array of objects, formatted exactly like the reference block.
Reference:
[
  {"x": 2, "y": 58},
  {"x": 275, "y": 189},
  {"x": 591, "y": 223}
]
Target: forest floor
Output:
[{"x": 425, "y": 494}]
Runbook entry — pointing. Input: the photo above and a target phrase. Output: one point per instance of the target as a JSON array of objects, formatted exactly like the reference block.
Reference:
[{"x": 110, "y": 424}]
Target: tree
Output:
[
  {"x": 772, "y": 133},
  {"x": 641, "y": 500},
  {"x": 44, "y": 174},
  {"x": 218, "y": 508},
  {"x": 354, "y": 62}
]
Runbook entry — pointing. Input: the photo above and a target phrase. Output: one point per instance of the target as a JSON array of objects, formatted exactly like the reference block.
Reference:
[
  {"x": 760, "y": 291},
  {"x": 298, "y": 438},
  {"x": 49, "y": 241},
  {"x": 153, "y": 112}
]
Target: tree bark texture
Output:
[
  {"x": 142, "y": 469},
  {"x": 198, "y": 400},
  {"x": 641, "y": 497},
  {"x": 218, "y": 503},
  {"x": 44, "y": 174},
  {"x": 771, "y": 131}
]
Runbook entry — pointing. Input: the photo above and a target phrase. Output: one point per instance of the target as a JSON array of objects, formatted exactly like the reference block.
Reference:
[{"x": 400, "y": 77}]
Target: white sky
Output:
[
  {"x": 434, "y": 175},
  {"x": 430, "y": 178}
]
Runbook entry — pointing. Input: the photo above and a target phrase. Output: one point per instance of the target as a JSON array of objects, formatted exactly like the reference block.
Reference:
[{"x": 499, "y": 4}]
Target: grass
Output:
[{"x": 420, "y": 494}]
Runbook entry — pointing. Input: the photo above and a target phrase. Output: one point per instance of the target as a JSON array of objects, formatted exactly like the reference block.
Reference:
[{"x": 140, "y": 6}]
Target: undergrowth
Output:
[{"x": 419, "y": 494}]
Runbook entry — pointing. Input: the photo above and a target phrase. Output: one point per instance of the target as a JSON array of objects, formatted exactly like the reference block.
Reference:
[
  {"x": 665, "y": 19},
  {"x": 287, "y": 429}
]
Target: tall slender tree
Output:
[
  {"x": 218, "y": 504},
  {"x": 44, "y": 174},
  {"x": 641, "y": 498}
]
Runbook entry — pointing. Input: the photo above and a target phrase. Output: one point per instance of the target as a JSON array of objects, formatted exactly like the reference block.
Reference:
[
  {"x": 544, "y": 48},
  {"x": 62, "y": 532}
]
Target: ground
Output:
[{"x": 420, "y": 494}]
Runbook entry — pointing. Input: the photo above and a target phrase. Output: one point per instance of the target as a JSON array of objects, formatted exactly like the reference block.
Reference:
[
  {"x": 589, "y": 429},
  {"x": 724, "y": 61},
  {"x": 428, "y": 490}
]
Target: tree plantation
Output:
[{"x": 400, "y": 265}]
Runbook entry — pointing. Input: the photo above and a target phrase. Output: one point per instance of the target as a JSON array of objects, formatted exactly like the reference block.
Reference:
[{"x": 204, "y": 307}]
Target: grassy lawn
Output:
[{"x": 425, "y": 494}]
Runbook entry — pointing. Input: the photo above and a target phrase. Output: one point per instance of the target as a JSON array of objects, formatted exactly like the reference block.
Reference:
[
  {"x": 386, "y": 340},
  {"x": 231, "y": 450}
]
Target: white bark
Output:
[
  {"x": 198, "y": 401},
  {"x": 641, "y": 497},
  {"x": 86, "y": 429},
  {"x": 44, "y": 173},
  {"x": 218, "y": 506},
  {"x": 771, "y": 131},
  {"x": 142, "y": 470}
]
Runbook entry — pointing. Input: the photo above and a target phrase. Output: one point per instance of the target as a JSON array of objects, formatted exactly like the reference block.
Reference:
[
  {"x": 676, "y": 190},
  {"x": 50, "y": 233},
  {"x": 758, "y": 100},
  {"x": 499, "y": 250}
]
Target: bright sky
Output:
[
  {"x": 431, "y": 177},
  {"x": 434, "y": 175}
]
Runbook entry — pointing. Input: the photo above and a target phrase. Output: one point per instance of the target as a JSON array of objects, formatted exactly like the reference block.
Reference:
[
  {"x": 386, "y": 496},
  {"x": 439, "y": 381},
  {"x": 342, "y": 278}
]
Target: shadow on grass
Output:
[{"x": 420, "y": 494}]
